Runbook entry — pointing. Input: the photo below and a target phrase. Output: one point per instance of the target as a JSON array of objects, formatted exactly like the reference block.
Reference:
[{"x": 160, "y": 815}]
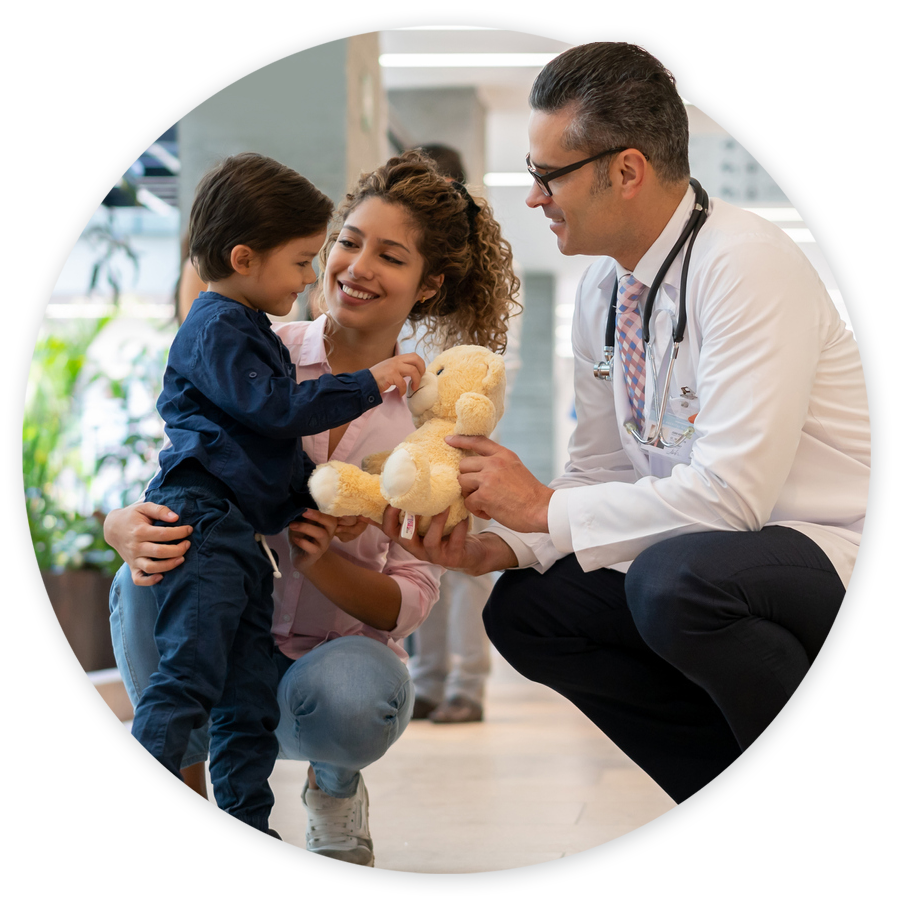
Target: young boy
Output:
[{"x": 235, "y": 470}]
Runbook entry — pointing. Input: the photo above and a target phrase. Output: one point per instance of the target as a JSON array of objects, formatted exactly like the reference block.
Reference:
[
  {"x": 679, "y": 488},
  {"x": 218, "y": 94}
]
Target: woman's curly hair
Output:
[{"x": 456, "y": 240}]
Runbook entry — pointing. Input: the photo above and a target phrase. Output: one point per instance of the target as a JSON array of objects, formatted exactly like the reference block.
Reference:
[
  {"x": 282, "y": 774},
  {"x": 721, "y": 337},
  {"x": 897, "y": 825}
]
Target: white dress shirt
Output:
[{"x": 782, "y": 431}]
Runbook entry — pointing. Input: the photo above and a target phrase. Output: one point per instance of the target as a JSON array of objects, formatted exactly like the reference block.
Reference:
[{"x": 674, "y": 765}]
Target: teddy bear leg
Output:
[
  {"x": 340, "y": 489},
  {"x": 403, "y": 470},
  {"x": 374, "y": 462},
  {"x": 410, "y": 482}
]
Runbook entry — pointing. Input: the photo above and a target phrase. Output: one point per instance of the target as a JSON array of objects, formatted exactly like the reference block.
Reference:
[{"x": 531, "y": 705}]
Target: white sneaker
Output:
[
  {"x": 198, "y": 841},
  {"x": 339, "y": 828}
]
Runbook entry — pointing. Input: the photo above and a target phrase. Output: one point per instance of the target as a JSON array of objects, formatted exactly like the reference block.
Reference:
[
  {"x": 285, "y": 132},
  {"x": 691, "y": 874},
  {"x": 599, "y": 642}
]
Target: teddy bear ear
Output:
[{"x": 496, "y": 371}]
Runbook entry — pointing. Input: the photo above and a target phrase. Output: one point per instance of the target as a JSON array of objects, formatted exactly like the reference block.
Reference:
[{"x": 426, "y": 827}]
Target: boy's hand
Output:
[
  {"x": 310, "y": 537},
  {"x": 395, "y": 370}
]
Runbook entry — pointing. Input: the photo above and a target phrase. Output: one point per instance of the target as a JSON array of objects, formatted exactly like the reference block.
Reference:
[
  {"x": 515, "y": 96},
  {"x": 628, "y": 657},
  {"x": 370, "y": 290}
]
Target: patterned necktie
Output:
[{"x": 630, "y": 336}]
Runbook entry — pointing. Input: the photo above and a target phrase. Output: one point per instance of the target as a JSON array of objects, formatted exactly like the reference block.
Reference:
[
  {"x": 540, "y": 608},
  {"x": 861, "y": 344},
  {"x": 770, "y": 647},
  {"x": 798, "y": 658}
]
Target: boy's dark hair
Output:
[
  {"x": 254, "y": 200},
  {"x": 621, "y": 96}
]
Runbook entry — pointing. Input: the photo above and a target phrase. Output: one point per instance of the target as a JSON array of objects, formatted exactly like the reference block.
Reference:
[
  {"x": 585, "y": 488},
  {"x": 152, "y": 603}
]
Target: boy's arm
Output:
[{"x": 234, "y": 368}]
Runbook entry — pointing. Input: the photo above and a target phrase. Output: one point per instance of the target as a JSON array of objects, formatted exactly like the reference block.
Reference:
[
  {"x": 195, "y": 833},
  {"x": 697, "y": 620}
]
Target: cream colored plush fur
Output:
[{"x": 461, "y": 392}]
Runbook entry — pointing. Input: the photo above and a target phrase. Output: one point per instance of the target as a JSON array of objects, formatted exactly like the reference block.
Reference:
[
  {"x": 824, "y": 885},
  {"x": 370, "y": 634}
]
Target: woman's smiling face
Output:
[{"x": 373, "y": 276}]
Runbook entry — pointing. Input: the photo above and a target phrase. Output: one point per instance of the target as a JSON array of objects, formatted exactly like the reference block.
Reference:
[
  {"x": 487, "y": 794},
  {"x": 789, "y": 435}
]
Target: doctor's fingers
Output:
[{"x": 478, "y": 444}]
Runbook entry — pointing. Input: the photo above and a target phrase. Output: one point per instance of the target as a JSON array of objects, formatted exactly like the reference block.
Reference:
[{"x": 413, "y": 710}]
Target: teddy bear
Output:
[{"x": 461, "y": 392}]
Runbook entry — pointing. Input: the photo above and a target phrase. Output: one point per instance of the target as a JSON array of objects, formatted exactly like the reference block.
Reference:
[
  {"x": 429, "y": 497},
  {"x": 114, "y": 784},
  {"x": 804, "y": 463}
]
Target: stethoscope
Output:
[{"x": 603, "y": 369}]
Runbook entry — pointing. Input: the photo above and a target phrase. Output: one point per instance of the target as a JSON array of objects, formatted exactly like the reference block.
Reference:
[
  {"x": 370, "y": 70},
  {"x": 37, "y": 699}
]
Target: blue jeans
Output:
[
  {"x": 216, "y": 652},
  {"x": 343, "y": 704}
]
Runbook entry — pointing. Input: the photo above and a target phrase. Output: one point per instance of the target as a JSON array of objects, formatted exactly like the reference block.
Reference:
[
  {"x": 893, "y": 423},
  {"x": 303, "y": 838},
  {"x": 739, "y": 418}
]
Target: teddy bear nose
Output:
[{"x": 425, "y": 397}]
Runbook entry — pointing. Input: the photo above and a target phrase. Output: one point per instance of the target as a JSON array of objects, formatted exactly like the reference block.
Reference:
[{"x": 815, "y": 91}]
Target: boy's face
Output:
[{"x": 278, "y": 277}]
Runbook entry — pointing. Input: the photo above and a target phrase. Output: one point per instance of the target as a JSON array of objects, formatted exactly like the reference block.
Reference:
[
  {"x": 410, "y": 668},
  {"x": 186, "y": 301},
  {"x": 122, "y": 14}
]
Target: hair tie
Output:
[{"x": 472, "y": 208}]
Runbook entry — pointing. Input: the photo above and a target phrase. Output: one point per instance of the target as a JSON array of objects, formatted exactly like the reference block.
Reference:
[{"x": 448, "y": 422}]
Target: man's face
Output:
[{"x": 583, "y": 218}]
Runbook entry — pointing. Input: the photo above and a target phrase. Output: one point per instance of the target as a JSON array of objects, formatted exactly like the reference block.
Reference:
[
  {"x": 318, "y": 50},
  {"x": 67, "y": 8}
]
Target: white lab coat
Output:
[{"x": 782, "y": 432}]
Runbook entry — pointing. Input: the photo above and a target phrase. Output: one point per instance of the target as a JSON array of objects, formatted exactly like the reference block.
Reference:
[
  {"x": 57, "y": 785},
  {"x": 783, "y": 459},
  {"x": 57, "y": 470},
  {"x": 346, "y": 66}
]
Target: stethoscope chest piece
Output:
[{"x": 604, "y": 368}]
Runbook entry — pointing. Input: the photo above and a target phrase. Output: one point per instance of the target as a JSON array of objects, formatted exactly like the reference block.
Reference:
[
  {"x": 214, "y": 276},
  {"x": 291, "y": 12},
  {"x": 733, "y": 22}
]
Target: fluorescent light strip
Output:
[
  {"x": 834, "y": 213},
  {"x": 844, "y": 235},
  {"x": 795, "y": 98},
  {"x": 464, "y": 60},
  {"x": 651, "y": 27},
  {"x": 447, "y": 28}
]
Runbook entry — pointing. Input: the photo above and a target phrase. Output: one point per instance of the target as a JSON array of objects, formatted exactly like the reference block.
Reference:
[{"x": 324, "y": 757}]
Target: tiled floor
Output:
[{"x": 534, "y": 782}]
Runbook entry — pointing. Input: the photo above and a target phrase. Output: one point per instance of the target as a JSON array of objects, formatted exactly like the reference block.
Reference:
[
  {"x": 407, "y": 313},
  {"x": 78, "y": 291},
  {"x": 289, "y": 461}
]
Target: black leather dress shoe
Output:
[
  {"x": 823, "y": 846},
  {"x": 742, "y": 842}
]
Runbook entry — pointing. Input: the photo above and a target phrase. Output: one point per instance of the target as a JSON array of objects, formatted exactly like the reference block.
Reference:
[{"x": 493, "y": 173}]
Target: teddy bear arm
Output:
[{"x": 475, "y": 414}]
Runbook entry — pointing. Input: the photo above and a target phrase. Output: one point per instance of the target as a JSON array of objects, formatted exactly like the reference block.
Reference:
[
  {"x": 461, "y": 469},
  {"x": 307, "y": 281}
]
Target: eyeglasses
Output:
[{"x": 543, "y": 181}]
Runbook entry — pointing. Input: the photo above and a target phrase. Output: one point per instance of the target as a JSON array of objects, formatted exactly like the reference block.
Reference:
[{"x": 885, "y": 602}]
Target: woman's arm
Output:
[
  {"x": 131, "y": 532},
  {"x": 372, "y": 597}
]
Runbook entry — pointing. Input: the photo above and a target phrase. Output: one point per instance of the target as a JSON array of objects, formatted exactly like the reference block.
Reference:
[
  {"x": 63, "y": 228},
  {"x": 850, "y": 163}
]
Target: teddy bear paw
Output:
[
  {"x": 399, "y": 474},
  {"x": 324, "y": 485}
]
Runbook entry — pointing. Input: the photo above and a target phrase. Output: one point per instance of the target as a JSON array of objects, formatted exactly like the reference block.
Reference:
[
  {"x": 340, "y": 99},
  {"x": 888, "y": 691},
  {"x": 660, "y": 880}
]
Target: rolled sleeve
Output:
[{"x": 419, "y": 584}]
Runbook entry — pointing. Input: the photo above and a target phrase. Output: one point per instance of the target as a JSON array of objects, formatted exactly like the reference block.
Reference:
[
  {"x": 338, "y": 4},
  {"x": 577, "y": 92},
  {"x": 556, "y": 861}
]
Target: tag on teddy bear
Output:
[{"x": 409, "y": 525}]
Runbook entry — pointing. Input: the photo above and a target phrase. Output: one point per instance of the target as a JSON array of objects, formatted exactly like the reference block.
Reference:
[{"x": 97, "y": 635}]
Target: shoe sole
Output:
[{"x": 109, "y": 865}]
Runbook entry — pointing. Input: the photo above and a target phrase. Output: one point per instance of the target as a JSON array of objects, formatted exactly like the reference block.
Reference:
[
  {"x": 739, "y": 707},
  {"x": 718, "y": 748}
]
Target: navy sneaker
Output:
[
  {"x": 232, "y": 863},
  {"x": 145, "y": 850}
]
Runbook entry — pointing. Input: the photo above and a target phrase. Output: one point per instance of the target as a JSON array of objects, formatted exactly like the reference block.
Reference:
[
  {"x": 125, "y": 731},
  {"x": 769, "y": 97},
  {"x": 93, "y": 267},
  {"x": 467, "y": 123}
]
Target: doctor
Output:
[{"x": 676, "y": 594}]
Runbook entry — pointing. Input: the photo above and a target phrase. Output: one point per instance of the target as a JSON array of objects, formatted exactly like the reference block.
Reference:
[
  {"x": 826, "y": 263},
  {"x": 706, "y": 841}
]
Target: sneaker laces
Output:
[{"x": 334, "y": 822}]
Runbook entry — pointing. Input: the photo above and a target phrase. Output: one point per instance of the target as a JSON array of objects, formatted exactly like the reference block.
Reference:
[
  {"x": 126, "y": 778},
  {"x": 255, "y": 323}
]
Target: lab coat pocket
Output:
[{"x": 678, "y": 430}]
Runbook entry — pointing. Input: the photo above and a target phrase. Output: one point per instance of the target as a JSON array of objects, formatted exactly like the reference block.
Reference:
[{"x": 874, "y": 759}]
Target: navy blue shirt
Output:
[{"x": 230, "y": 400}]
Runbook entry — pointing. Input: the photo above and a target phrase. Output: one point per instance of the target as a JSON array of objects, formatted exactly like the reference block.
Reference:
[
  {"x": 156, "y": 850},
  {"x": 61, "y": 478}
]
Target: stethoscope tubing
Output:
[{"x": 687, "y": 236}]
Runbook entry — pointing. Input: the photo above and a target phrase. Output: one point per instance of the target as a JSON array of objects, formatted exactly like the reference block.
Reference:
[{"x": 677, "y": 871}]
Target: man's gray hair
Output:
[{"x": 621, "y": 96}]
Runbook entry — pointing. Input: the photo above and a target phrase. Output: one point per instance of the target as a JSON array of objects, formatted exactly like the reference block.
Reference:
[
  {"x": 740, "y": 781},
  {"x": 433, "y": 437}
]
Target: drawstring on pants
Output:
[{"x": 262, "y": 539}]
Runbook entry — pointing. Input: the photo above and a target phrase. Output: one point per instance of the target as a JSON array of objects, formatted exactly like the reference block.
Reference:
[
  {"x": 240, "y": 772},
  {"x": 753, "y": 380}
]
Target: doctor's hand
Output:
[
  {"x": 474, "y": 554},
  {"x": 497, "y": 485}
]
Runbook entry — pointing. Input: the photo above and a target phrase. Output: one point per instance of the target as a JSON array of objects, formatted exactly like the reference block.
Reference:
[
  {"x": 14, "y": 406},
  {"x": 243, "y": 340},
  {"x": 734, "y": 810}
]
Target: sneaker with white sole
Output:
[
  {"x": 339, "y": 827},
  {"x": 198, "y": 841}
]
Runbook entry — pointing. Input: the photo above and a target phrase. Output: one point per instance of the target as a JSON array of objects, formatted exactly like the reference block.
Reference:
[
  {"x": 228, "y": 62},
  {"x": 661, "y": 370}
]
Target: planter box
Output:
[{"x": 80, "y": 599}]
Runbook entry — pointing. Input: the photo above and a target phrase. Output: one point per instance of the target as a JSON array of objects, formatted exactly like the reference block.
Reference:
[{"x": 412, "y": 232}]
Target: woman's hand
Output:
[
  {"x": 311, "y": 537},
  {"x": 141, "y": 544},
  {"x": 474, "y": 554}
]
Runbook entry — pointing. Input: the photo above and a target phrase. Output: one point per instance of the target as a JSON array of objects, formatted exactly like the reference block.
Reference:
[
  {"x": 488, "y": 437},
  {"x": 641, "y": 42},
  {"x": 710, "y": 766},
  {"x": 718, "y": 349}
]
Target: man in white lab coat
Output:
[{"x": 677, "y": 595}]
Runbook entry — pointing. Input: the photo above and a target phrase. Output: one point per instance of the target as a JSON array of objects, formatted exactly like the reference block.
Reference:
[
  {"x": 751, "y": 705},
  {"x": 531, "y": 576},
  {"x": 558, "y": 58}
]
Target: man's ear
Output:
[
  {"x": 631, "y": 169},
  {"x": 243, "y": 259}
]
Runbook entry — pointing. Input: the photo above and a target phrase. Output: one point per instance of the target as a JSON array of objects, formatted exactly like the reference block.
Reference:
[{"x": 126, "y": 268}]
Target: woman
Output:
[{"x": 410, "y": 247}]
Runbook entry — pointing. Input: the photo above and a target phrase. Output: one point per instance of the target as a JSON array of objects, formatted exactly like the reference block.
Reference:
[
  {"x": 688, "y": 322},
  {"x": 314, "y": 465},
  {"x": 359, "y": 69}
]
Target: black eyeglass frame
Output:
[{"x": 543, "y": 181}]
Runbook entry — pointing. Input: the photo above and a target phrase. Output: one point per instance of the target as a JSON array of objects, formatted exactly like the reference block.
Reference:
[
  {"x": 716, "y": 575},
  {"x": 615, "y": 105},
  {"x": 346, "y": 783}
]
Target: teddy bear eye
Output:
[{"x": 439, "y": 371}]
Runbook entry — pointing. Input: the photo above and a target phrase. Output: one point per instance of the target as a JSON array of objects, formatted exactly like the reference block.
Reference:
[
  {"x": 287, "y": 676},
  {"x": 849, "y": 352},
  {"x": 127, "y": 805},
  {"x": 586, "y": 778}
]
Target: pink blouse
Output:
[{"x": 304, "y": 617}]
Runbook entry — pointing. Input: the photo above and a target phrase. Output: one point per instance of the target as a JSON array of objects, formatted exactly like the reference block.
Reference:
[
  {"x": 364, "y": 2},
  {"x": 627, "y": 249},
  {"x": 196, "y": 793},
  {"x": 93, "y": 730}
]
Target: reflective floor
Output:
[{"x": 534, "y": 782}]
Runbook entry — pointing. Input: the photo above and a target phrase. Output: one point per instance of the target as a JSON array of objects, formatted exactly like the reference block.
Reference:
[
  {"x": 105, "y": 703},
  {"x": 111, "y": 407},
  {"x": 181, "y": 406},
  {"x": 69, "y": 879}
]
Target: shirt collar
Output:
[
  {"x": 313, "y": 350},
  {"x": 649, "y": 264},
  {"x": 215, "y": 297}
]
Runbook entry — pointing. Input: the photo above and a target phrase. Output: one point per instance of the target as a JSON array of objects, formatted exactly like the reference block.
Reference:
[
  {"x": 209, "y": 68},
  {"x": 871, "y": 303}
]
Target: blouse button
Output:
[{"x": 296, "y": 574}]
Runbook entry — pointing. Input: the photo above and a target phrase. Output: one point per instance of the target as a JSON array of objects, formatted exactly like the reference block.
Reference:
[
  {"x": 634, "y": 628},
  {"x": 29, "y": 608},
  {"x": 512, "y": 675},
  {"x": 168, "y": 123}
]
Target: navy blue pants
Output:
[
  {"x": 216, "y": 654},
  {"x": 685, "y": 660}
]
